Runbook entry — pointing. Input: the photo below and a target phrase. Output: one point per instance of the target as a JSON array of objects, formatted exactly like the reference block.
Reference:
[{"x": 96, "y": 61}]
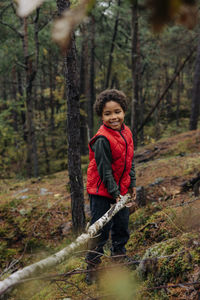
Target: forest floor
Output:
[{"x": 164, "y": 243}]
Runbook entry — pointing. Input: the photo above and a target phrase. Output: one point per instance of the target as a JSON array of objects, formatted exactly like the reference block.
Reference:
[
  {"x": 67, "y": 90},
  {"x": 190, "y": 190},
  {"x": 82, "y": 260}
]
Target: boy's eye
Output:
[{"x": 107, "y": 113}]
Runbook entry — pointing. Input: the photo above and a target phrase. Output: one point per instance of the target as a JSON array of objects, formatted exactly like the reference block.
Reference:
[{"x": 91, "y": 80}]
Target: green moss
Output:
[
  {"x": 139, "y": 218},
  {"x": 174, "y": 261},
  {"x": 34, "y": 244},
  {"x": 6, "y": 253},
  {"x": 4, "y": 230}
]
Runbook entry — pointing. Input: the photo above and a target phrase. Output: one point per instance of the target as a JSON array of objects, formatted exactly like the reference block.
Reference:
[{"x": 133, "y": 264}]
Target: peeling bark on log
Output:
[{"x": 53, "y": 260}]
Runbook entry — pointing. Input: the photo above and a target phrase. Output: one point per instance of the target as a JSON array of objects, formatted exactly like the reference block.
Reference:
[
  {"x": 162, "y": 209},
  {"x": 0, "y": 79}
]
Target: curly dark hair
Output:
[{"x": 110, "y": 95}]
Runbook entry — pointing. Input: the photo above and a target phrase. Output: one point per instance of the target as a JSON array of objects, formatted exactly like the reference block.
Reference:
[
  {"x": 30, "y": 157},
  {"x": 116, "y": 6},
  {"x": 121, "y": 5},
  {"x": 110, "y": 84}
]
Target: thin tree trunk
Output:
[
  {"x": 47, "y": 161},
  {"x": 73, "y": 131},
  {"x": 112, "y": 47},
  {"x": 178, "y": 100},
  {"x": 196, "y": 93},
  {"x": 43, "y": 86},
  {"x": 22, "y": 113},
  {"x": 30, "y": 70},
  {"x": 14, "y": 96},
  {"x": 45, "y": 148},
  {"x": 57, "y": 258},
  {"x": 84, "y": 89},
  {"x": 30, "y": 130},
  {"x": 135, "y": 72},
  {"x": 157, "y": 111},
  {"x": 168, "y": 96},
  {"x": 52, "y": 121},
  {"x": 91, "y": 98}
]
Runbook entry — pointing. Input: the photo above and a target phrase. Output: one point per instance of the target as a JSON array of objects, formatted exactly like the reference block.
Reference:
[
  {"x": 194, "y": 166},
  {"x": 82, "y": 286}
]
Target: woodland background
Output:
[
  {"x": 43, "y": 97},
  {"x": 116, "y": 48}
]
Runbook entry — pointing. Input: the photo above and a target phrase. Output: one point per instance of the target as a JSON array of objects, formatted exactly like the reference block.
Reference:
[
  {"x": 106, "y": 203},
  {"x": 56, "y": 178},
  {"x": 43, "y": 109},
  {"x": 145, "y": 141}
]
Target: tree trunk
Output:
[
  {"x": 178, "y": 100},
  {"x": 43, "y": 86},
  {"x": 168, "y": 96},
  {"x": 22, "y": 113},
  {"x": 84, "y": 89},
  {"x": 91, "y": 98},
  {"x": 196, "y": 93},
  {"x": 73, "y": 131},
  {"x": 52, "y": 106},
  {"x": 157, "y": 111},
  {"x": 32, "y": 160},
  {"x": 135, "y": 72},
  {"x": 14, "y": 96},
  {"x": 112, "y": 47}
]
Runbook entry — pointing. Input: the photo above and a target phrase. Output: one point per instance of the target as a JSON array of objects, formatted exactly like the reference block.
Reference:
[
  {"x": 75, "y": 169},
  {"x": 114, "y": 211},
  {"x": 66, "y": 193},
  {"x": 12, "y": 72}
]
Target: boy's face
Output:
[{"x": 113, "y": 115}]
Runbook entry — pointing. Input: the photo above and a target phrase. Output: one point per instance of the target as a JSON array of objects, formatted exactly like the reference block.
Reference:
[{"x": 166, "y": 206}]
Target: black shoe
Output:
[
  {"x": 91, "y": 275},
  {"x": 122, "y": 258}
]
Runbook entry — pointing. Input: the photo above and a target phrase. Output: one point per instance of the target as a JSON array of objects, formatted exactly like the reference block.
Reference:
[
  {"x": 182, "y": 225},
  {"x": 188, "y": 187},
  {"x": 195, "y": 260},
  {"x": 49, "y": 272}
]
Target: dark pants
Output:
[{"x": 99, "y": 205}]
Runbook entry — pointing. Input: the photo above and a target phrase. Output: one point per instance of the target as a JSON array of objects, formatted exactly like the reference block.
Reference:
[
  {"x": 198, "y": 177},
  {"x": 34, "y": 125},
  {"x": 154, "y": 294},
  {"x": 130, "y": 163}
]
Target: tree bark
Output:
[
  {"x": 178, "y": 100},
  {"x": 91, "y": 98},
  {"x": 14, "y": 95},
  {"x": 168, "y": 96},
  {"x": 112, "y": 47},
  {"x": 73, "y": 130},
  {"x": 52, "y": 106},
  {"x": 196, "y": 93},
  {"x": 135, "y": 72},
  {"x": 84, "y": 89},
  {"x": 32, "y": 160},
  {"x": 57, "y": 258},
  {"x": 22, "y": 113}
]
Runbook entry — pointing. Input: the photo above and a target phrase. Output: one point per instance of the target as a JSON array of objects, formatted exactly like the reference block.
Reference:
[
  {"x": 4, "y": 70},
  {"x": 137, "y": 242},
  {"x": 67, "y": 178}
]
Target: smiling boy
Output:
[{"x": 110, "y": 174}]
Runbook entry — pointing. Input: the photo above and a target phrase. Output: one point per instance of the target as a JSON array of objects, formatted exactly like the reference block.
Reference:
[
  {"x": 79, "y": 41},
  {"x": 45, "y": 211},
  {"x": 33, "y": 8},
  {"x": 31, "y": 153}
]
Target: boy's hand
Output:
[
  {"x": 118, "y": 199},
  {"x": 133, "y": 193}
]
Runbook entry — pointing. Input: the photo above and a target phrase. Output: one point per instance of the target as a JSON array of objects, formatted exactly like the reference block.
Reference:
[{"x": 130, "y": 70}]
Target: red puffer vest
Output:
[{"x": 121, "y": 145}]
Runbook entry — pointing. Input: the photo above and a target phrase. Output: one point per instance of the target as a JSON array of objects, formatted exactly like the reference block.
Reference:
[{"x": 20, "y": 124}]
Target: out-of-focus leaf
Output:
[
  {"x": 188, "y": 16},
  {"x": 26, "y": 7},
  {"x": 183, "y": 11},
  {"x": 64, "y": 25}
]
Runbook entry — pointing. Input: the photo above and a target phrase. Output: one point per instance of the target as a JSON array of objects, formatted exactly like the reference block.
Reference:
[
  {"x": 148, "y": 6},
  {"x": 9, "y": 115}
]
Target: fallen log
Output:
[
  {"x": 57, "y": 258},
  {"x": 193, "y": 183}
]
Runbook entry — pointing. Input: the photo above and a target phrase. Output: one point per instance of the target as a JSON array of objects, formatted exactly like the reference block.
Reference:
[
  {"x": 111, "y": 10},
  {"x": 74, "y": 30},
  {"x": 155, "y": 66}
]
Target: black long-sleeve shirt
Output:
[{"x": 103, "y": 157}]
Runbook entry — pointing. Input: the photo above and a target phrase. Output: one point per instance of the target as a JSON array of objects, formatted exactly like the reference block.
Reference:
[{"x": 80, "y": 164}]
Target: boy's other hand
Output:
[
  {"x": 133, "y": 193},
  {"x": 132, "y": 203},
  {"x": 118, "y": 199}
]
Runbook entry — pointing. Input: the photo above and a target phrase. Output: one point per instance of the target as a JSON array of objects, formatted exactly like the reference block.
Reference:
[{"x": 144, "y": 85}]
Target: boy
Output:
[{"x": 110, "y": 174}]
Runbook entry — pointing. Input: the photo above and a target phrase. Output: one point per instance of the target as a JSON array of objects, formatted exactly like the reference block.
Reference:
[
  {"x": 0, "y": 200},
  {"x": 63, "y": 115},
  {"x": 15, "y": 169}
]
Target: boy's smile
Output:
[{"x": 113, "y": 115}]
